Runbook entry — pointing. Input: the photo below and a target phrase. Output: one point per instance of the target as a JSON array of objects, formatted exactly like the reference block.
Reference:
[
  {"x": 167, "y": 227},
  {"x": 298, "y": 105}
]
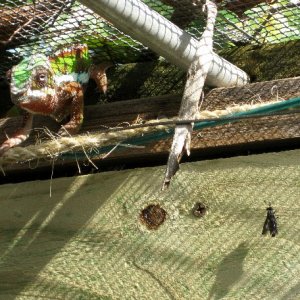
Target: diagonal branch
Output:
[{"x": 192, "y": 93}]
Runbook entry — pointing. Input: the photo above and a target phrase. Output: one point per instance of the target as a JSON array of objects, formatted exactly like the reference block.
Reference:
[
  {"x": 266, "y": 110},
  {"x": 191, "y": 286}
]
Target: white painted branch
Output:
[
  {"x": 197, "y": 75},
  {"x": 147, "y": 26}
]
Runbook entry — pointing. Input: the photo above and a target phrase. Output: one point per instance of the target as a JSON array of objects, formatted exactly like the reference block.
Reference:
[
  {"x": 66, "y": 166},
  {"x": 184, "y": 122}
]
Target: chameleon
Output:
[{"x": 53, "y": 86}]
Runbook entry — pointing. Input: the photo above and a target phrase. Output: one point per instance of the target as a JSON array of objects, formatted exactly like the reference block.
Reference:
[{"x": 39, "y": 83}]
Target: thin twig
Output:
[
  {"x": 51, "y": 178},
  {"x": 18, "y": 30}
]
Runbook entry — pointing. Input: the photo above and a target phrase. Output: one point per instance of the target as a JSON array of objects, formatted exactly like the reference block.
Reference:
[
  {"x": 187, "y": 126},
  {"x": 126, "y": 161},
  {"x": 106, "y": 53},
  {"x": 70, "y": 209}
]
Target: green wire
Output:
[
  {"x": 267, "y": 109},
  {"x": 147, "y": 138}
]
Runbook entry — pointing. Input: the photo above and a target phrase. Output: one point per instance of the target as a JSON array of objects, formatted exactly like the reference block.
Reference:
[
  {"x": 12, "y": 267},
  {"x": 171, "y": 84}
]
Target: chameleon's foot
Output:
[
  {"x": 10, "y": 143},
  {"x": 4, "y": 148},
  {"x": 69, "y": 129},
  {"x": 19, "y": 136}
]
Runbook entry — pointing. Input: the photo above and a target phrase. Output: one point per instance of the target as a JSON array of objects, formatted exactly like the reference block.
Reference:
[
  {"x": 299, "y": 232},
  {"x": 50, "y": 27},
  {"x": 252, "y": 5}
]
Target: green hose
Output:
[{"x": 265, "y": 110}]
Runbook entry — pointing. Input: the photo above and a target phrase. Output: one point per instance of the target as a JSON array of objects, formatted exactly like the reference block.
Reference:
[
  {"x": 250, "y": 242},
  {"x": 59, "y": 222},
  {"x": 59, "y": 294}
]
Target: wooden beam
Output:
[
  {"x": 87, "y": 240},
  {"x": 242, "y": 133}
]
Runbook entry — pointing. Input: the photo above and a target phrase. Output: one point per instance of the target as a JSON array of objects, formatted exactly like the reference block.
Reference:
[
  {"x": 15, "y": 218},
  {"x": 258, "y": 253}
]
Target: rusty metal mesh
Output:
[{"x": 43, "y": 26}]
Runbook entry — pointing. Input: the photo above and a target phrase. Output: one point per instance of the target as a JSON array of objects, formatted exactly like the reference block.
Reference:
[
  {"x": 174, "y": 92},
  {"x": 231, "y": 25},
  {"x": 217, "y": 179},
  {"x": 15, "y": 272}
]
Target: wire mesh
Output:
[
  {"x": 87, "y": 241},
  {"x": 189, "y": 258},
  {"x": 43, "y": 26}
]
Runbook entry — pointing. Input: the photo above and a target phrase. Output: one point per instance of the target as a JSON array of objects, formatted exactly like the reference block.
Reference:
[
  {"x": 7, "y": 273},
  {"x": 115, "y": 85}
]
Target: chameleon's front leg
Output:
[
  {"x": 76, "y": 109},
  {"x": 19, "y": 136}
]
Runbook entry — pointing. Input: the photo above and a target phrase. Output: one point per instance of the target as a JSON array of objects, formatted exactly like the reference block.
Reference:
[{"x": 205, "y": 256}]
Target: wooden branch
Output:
[{"x": 193, "y": 89}]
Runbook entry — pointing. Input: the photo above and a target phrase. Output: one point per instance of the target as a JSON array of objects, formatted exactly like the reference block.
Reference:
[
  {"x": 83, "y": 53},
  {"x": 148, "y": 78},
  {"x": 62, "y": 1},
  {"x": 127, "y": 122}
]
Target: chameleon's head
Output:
[{"x": 31, "y": 79}]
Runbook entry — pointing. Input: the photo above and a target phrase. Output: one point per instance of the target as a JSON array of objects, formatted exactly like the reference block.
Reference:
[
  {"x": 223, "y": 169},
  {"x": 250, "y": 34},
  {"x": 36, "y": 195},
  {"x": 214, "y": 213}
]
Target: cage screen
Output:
[
  {"x": 89, "y": 251},
  {"x": 39, "y": 26}
]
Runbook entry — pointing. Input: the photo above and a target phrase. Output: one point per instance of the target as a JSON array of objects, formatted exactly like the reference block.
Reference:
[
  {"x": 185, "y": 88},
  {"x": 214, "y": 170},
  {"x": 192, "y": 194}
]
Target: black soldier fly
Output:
[{"x": 270, "y": 222}]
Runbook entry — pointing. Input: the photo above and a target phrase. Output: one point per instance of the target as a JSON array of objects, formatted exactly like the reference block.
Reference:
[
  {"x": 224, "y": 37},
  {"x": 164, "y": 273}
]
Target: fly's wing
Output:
[
  {"x": 274, "y": 232},
  {"x": 266, "y": 227},
  {"x": 273, "y": 226}
]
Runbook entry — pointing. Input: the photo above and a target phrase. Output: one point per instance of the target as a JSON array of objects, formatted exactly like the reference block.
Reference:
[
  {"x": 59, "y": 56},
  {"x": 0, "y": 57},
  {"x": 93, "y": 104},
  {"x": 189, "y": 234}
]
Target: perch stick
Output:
[{"x": 196, "y": 77}]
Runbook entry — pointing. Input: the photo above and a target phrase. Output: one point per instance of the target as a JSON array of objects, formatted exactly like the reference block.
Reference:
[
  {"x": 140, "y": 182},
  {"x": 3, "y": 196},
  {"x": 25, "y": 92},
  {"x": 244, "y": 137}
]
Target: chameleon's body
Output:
[{"x": 53, "y": 86}]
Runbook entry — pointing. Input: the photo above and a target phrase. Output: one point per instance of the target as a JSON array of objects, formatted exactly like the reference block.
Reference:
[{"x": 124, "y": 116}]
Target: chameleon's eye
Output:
[{"x": 42, "y": 77}]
